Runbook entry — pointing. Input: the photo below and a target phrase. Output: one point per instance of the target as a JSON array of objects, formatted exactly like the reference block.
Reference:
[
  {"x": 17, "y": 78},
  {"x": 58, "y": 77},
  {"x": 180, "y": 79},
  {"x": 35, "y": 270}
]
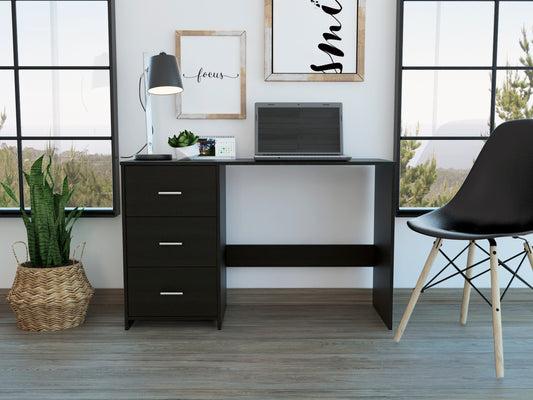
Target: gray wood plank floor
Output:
[{"x": 276, "y": 344}]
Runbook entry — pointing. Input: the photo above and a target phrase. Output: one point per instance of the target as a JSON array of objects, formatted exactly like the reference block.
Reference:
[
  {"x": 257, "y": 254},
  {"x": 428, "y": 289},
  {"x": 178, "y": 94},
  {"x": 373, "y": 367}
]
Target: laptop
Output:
[{"x": 299, "y": 131}]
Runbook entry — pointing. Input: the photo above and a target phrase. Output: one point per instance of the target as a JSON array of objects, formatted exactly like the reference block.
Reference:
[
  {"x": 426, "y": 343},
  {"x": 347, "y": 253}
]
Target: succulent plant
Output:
[
  {"x": 185, "y": 138},
  {"x": 49, "y": 227}
]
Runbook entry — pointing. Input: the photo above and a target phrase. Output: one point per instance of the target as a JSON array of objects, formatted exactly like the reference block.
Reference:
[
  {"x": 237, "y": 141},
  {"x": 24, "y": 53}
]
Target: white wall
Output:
[
  {"x": 102, "y": 258},
  {"x": 335, "y": 204}
]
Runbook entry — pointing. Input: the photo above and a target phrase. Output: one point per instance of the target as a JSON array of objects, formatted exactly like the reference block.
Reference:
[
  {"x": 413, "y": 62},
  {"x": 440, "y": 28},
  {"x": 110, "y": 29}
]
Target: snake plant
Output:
[
  {"x": 185, "y": 138},
  {"x": 49, "y": 227}
]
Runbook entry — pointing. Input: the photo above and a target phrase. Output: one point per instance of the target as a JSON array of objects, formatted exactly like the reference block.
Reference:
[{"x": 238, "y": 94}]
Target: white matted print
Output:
[
  {"x": 314, "y": 40},
  {"x": 213, "y": 71}
]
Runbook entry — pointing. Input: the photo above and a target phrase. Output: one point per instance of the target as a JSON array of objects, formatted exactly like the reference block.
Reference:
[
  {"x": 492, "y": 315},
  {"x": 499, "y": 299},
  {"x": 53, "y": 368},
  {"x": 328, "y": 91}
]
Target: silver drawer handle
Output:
[
  {"x": 169, "y": 193},
  {"x": 171, "y": 293},
  {"x": 170, "y": 243}
]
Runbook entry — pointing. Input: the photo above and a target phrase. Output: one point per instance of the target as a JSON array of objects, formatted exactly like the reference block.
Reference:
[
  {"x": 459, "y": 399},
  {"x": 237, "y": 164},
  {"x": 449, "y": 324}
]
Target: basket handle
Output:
[
  {"x": 15, "y": 254},
  {"x": 81, "y": 255}
]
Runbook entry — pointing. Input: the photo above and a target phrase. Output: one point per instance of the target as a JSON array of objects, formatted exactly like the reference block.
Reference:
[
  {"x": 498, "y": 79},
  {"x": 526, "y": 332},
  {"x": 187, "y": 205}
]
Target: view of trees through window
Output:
[
  {"x": 55, "y": 98},
  {"x": 450, "y": 103},
  {"x": 89, "y": 173}
]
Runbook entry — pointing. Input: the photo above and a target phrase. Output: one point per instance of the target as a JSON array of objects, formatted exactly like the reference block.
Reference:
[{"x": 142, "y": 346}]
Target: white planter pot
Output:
[{"x": 186, "y": 152}]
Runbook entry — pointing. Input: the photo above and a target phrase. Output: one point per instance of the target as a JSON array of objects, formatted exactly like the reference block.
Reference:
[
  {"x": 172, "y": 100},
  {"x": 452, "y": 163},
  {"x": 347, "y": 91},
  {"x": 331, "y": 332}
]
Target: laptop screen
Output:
[{"x": 298, "y": 128}]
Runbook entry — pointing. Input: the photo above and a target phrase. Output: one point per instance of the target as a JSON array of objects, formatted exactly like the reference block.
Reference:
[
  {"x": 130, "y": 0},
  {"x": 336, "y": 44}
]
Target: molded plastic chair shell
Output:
[{"x": 496, "y": 198}]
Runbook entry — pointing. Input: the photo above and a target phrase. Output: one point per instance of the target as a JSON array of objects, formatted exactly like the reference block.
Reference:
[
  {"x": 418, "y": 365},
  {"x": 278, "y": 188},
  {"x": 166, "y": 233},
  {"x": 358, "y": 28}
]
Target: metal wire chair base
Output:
[{"x": 451, "y": 262}]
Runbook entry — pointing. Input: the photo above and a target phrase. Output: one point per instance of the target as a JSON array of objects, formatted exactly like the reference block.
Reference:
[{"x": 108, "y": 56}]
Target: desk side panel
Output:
[
  {"x": 382, "y": 295},
  {"x": 127, "y": 321},
  {"x": 221, "y": 232}
]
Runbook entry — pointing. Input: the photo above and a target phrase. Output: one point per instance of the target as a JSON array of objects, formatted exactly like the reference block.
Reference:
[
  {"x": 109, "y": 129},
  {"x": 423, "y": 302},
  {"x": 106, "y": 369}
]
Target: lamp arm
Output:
[
  {"x": 148, "y": 112},
  {"x": 140, "y": 95},
  {"x": 147, "y": 108}
]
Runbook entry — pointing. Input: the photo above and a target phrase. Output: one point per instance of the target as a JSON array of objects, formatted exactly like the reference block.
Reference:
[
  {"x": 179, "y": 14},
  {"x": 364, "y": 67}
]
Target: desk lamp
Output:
[{"x": 163, "y": 78}]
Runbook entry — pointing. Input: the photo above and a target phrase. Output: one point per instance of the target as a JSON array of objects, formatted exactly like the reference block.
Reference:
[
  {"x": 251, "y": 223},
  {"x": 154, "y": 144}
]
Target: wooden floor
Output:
[{"x": 296, "y": 344}]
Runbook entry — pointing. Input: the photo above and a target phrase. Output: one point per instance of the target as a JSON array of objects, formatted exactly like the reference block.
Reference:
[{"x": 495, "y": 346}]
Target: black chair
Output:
[{"x": 495, "y": 200}]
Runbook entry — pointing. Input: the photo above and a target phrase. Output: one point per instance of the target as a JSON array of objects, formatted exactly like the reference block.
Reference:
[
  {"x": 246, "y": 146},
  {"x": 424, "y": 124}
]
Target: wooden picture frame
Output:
[
  {"x": 315, "y": 40},
  {"x": 213, "y": 70}
]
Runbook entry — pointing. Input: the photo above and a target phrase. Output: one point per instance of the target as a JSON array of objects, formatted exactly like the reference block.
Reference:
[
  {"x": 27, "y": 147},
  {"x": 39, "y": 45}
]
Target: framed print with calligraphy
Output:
[
  {"x": 314, "y": 40},
  {"x": 213, "y": 71}
]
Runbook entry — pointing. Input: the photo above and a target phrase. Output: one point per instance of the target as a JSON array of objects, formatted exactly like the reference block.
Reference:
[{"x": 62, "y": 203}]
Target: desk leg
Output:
[{"x": 384, "y": 242}]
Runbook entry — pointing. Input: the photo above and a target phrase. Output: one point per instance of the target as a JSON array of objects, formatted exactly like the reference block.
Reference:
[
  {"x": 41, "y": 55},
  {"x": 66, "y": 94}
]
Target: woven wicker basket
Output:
[{"x": 50, "y": 299}]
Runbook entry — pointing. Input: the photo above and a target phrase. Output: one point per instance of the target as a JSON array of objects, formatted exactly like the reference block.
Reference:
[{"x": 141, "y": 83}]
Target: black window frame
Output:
[
  {"x": 493, "y": 69},
  {"x": 16, "y": 68}
]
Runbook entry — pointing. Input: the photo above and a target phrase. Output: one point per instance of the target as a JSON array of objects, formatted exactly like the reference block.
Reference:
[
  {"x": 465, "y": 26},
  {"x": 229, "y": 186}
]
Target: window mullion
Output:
[
  {"x": 494, "y": 65},
  {"x": 398, "y": 96},
  {"x": 113, "y": 102},
  {"x": 17, "y": 100}
]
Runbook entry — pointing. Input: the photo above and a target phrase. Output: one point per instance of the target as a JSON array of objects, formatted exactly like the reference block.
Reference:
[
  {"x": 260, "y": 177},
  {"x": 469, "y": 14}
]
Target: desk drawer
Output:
[
  {"x": 171, "y": 242},
  {"x": 170, "y": 191},
  {"x": 172, "y": 292}
]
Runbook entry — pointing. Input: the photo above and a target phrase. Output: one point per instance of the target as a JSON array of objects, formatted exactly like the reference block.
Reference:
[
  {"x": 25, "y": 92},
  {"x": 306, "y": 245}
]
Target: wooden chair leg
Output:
[
  {"x": 529, "y": 251},
  {"x": 466, "y": 288},
  {"x": 496, "y": 310},
  {"x": 418, "y": 288}
]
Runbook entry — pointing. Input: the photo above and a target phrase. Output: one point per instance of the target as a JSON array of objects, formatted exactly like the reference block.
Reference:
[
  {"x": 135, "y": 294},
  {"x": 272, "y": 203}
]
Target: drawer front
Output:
[
  {"x": 170, "y": 190},
  {"x": 171, "y": 242},
  {"x": 172, "y": 292}
]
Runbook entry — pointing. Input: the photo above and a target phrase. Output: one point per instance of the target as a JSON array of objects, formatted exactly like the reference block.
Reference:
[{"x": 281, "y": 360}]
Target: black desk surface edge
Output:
[{"x": 251, "y": 161}]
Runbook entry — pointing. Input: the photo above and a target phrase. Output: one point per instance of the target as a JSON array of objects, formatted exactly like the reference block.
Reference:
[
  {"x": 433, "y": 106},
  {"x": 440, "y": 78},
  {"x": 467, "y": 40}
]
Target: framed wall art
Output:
[
  {"x": 213, "y": 69},
  {"x": 314, "y": 40}
]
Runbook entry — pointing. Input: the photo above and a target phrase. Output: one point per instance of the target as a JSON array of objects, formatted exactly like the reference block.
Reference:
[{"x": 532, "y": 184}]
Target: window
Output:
[
  {"x": 58, "y": 97},
  {"x": 464, "y": 67}
]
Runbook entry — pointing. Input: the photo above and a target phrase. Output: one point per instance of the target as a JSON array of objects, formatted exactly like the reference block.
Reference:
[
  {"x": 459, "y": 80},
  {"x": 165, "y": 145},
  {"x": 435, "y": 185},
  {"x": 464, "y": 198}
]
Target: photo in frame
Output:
[
  {"x": 213, "y": 71},
  {"x": 315, "y": 40}
]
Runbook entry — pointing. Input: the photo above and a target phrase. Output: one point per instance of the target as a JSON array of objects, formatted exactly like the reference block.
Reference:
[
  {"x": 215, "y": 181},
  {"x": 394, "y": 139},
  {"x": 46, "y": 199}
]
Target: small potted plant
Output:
[
  {"x": 185, "y": 145},
  {"x": 50, "y": 291}
]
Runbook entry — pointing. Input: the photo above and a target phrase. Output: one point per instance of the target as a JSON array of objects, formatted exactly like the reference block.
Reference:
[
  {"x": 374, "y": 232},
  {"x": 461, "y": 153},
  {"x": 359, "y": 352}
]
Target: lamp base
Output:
[{"x": 152, "y": 157}]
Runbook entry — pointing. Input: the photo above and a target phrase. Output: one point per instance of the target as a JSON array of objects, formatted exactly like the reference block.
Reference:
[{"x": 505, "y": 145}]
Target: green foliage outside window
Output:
[
  {"x": 90, "y": 173},
  {"x": 513, "y": 99},
  {"x": 8, "y": 168},
  {"x": 417, "y": 181},
  {"x": 8, "y": 173},
  {"x": 3, "y": 118}
]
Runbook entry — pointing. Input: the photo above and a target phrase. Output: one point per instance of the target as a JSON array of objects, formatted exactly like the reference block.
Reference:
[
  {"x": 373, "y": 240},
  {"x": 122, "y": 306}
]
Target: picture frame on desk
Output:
[
  {"x": 314, "y": 40},
  {"x": 217, "y": 147}
]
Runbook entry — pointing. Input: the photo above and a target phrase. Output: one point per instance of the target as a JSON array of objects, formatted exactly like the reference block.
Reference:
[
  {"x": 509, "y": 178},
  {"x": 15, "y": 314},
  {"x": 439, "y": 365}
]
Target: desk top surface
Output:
[{"x": 251, "y": 161}]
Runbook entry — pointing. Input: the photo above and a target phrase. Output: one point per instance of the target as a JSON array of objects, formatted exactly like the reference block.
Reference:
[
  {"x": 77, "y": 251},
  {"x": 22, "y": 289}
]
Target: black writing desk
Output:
[{"x": 174, "y": 230}]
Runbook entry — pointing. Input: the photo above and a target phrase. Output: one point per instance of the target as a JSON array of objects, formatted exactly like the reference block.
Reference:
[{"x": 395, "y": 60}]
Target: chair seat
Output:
[{"x": 441, "y": 224}]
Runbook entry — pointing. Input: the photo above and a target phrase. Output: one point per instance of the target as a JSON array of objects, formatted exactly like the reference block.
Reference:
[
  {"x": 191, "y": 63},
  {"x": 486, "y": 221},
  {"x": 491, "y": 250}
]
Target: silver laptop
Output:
[{"x": 299, "y": 131}]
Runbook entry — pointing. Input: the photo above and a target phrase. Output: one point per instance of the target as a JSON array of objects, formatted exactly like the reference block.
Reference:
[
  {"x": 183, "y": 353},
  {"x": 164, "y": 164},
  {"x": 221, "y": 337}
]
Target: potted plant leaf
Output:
[
  {"x": 185, "y": 145},
  {"x": 50, "y": 291}
]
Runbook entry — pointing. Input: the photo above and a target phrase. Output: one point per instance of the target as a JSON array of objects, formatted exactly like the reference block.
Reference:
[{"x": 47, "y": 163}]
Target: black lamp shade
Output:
[{"x": 164, "y": 75}]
